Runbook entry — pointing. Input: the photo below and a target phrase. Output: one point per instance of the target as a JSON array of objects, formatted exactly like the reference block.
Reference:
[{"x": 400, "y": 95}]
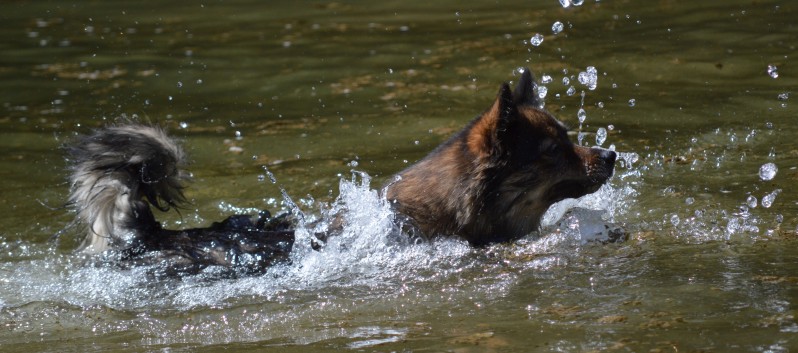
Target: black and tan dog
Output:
[{"x": 491, "y": 182}]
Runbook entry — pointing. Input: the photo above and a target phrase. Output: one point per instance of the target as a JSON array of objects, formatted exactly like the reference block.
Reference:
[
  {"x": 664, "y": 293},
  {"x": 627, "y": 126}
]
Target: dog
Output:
[{"x": 489, "y": 183}]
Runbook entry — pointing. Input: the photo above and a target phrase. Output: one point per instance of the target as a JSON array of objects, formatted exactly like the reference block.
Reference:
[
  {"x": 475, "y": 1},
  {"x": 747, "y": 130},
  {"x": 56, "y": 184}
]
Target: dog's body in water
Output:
[{"x": 489, "y": 183}]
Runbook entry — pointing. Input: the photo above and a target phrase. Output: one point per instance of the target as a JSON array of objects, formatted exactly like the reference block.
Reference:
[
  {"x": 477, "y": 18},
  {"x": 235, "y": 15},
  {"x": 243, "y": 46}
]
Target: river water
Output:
[{"x": 329, "y": 99}]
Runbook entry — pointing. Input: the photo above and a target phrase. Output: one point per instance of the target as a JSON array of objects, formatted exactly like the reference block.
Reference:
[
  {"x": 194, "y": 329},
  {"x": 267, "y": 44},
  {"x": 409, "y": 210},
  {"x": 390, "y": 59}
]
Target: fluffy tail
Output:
[{"x": 117, "y": 172}]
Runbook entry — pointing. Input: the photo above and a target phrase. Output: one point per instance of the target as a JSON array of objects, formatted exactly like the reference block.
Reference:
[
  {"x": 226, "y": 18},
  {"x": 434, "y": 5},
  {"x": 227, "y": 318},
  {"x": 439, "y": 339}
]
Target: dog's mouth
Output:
[{"x": 572, "y": 189}]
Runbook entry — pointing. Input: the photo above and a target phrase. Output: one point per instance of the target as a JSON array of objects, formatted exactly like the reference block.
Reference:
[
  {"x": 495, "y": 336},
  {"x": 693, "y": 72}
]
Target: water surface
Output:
[{"x": 333, "y": 98}]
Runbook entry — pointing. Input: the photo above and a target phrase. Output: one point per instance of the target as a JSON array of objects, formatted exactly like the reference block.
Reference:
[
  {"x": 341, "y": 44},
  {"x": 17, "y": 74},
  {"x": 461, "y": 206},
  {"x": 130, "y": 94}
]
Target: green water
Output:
[{"x": 307, "y": 88}]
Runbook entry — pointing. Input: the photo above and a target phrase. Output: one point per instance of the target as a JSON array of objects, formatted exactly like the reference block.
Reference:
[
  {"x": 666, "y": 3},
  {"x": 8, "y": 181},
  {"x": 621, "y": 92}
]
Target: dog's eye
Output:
[{"x": 552, "y": 149}]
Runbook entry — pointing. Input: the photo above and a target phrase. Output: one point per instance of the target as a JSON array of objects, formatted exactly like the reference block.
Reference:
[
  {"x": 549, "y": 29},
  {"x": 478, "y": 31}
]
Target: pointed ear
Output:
[
  {"x": 485, "y": 137},
  {"x": 525, "y": 90}
]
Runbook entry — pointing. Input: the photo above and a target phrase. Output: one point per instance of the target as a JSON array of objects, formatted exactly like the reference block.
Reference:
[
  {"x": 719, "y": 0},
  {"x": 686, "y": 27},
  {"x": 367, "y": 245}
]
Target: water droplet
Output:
[
  {"x": 689, "y": 201},
  {"x": 542, "y": 90},
  {"x": 675, "y": 220},
  {"x": 199, "y": 81},
  {"x": 582, "y": 115},
  {"x": 536, "y": 40},
  {"x": 565, "y": 81},
  {"x": 179, "y": 84},
  {"x": 767, "y": 172},
  {"x": 589, "y": 78},
  {"x": 545, "y": 79},
  {"x": 784, "y": 96},
  {"x": 571, "y": 91},
  {"x": 183, "y": 125},
  {"x": 577, "y": 2},
  {"x": 601, "y": 136},
  {"x": 270, "y": 175},
  {"x": 768, "y": 199},
  {"x": 751, "y": 201},
  {"x": 557, "y": 27},
  {"x": 632, "y": 102},
  {"x": 565, "y": 3},
  {"x": 353, "y": 164},
  {"x": 170, "y": 98},
  {"x": 773, "y": 71}
]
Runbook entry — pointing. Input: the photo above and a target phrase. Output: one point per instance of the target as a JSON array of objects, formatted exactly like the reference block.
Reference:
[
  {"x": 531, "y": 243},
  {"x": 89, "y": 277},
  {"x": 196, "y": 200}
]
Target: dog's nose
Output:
[{"x": 606, "y": 155}]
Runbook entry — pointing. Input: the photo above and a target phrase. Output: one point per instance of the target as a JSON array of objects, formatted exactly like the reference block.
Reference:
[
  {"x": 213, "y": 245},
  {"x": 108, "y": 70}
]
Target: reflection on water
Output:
[{"x": 287, "y": 100}]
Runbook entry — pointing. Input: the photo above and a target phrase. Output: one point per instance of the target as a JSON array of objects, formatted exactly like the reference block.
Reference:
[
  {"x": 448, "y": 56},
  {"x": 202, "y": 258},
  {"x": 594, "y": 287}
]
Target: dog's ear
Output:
[
  {"x": 487, "y": 136},
  {"x": 525, "y": 90}
]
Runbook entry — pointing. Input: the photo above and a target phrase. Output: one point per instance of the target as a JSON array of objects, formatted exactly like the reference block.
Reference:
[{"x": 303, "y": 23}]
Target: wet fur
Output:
[
  {"x": 491, "y": 182},
  {"x": 119, "y": 171}
]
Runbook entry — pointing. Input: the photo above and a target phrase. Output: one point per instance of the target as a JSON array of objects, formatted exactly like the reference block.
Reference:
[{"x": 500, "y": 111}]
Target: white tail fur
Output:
[{"x": 117, "y": 172}]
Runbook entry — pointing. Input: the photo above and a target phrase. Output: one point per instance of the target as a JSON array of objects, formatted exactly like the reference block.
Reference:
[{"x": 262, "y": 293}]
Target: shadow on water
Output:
[{"x": 696, "y": 97}]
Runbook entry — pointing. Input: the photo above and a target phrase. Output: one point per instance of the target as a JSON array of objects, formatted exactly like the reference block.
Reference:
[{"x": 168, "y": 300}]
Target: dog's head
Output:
[{"x": 531, "y": 162}]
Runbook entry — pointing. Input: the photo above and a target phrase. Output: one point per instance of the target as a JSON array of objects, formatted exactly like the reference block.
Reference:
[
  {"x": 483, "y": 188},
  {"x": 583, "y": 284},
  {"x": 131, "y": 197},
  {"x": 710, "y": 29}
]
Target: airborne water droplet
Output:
[
  {"x": 557, "y": 27},
  {"x": 536, "y": 40},
  {"x": 542, "y": 90},
  {"x": 582, "y": 115},
  {"x": 773, "y": 71},
  {"x": 768, "y": 199},
  {"x": 751, "y": 201},
  {"x": 571, "y": 91},
  {"x": 601, "y": 136},
  {"x": 768, "y": 171}
]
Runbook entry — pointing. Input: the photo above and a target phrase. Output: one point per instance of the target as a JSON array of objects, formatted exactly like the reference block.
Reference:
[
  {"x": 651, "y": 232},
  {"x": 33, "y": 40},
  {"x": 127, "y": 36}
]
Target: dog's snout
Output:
[{"x": 605, "y": 155}]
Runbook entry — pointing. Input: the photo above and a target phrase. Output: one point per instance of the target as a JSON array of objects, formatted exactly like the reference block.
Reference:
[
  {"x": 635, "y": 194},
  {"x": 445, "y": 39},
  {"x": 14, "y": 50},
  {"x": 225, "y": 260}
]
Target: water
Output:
[{"x": 327, "y": 101}]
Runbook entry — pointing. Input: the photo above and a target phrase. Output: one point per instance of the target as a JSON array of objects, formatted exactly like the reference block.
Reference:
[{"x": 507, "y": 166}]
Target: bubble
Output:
[
  {"x": 536, "y": 40},
  {"x": 577, "y": 2},
  {"x": 179, "y": 84},
  {"x": 565, "y": 81},
  {"x": 784, "y": 96},
  {"x": 632, "y": 102},
  {"x": 773, "y": 71},
  {"x": 601, "y": 136},
  {"x": 545, "y": 79},
  {"x": 768, "y": 171},
  {"x": 768, "y": 199},
  {"x": 589, "y": 78},
  {"x": 689, "y": 201},
  {"x": 565, "y": 3},
  {"x": 582, "y": 115},
  {"x": 557, "y": 27}
]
